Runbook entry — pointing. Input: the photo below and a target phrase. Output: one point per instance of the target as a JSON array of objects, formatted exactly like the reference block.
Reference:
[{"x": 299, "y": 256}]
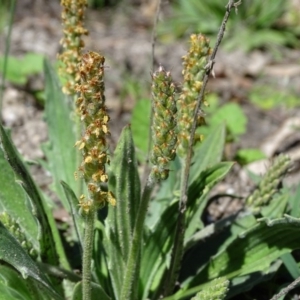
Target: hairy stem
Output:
[
  {"x": 87, "y": 254},
  {"x": 153, "y": 43},
  {"x": 285, "y": 291},
  {"x": 132, "y": 263},
  {"x": 177, "y": 250}
]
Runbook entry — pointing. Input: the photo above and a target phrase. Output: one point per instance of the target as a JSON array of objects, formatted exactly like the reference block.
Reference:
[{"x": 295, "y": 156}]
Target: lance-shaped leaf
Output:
[
  {"x": 73, "y": 207},
  {"x": 208, "y": 154},
  {"x": 157, "y": 246},
  {"x": 60, "y": 149},
  {"x": 252, "y": 251},
  {"x": 125, "y": 183},
  {"x": 207, "y": 180},
  {"x": 15, "y": 202},
  {"x": 13, "y": 254},
  {"x": 50, "y": 242}
]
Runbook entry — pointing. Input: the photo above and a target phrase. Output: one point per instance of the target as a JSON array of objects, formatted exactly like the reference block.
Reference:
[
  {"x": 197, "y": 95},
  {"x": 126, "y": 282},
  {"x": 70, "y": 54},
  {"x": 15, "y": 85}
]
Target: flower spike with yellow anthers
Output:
[
  {"x": 72, "y": 43},
  {"x": 92, "y": 110},
  {"x": 164, "y": 123},
  {"x": 194, "y": 68}
]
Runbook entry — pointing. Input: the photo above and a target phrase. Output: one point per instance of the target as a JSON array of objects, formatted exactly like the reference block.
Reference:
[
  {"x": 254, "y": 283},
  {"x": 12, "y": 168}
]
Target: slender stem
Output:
[
  {"x": 177, "y": 250},
  {"x": 154, "y": 34},
  {"x": 87, "y": 254},
  {"x": 153, "y": 43},
  {"x": 287, "y": 289},
  {"x": 7, "y": 46},
  {"x": 132, "y": 263}
]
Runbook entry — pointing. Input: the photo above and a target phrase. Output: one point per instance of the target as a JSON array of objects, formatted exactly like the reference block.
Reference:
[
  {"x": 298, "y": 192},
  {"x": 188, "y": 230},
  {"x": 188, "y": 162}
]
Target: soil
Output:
[{"x": 123, "y": 35}]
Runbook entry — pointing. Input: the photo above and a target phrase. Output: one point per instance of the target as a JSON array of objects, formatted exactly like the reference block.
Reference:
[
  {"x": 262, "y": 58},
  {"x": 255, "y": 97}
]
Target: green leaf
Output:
[
  {"x": 15, "y": 202},
  {"x": 32, "y": 63},
  {"x": 209, "y": 153},
  {"x": 211, "y": 234},
  {"x": 234, "y": 118},
  {"x": 276, "y": 208},
  {"x": 270, "y": 96},
  {"x": 13, "y": 73},
  {"x": 158, "y": 242},
  {"x": 202, "y": 187},
  {"x": 60, "y": 151},
  {"x": 206, "y": 156},
  {"x": 293, "y": 202},
  {"x": 102, "y": 271},
  {"x": 242, "y": 284},
  {"x": 13, "y": 254},
  {"x": 97, "y": 292},
  {"x": 12, "y": 285},
  {"x": 205, "y": 243},
  {"x": 50, "y": 243},
  {"x": 291, "y": 265},
  {"x": 165, "y": 194},
  {"x": 73, "y": 206},
  {"x": 140, "y": 122},
  {"x": 247, "y": 156},
  {"x": 18, "y": 69},
  {"x": 253, "y": 251},
  {"x": 125, "y": 183}
]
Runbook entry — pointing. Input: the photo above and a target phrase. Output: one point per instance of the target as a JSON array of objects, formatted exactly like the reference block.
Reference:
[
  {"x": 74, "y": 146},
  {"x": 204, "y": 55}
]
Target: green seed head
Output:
[
  {"x": 164, "y": 123},
  {"x": 194, "y": 63}
]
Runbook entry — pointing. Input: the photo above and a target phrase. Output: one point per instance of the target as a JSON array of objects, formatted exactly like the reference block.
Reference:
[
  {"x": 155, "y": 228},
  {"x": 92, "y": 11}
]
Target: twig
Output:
[
  {"x": 180, "y": 226},
  {"x": 286, "y": 290}
]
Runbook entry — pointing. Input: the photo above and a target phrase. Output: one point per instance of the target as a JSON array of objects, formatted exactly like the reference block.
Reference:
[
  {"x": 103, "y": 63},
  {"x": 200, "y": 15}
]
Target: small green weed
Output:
[
  {"x": 19, "y": 69},
  {"x": 269, "y": 96},
  {"x": 257, "y": 23}
]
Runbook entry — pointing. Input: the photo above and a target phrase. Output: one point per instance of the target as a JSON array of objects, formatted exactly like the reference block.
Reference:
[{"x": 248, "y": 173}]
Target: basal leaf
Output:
[
  {"x": 157, "y": 246},
  {"x": 211, "y": 240},
  {"x": 140, "y": 122},
  {"x": 209, "y": 153},
  {"x": 12, "y": 284},
  {"x": 60, "y": 150},
  {"x": 165, "y": 194},
  {"x": 198, "y": 192},
  {"x": 252, "y": 251},
  {"x": 73, "y": 206},
  {"x": 14, "y": 201},
  {"x": 13, "y": 254},
  {"x": 125, "y": 183},
  {"x": 50, "y": 243}
]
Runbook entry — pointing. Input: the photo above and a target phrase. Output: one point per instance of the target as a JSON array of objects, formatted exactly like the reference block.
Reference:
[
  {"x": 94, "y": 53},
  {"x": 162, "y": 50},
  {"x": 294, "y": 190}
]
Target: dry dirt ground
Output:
[{"x": 123, "y": 35}]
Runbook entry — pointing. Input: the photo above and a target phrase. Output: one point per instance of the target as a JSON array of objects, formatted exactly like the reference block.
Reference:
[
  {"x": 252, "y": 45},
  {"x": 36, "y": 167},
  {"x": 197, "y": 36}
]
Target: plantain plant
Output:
[{"x": 137, "y": 240}]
